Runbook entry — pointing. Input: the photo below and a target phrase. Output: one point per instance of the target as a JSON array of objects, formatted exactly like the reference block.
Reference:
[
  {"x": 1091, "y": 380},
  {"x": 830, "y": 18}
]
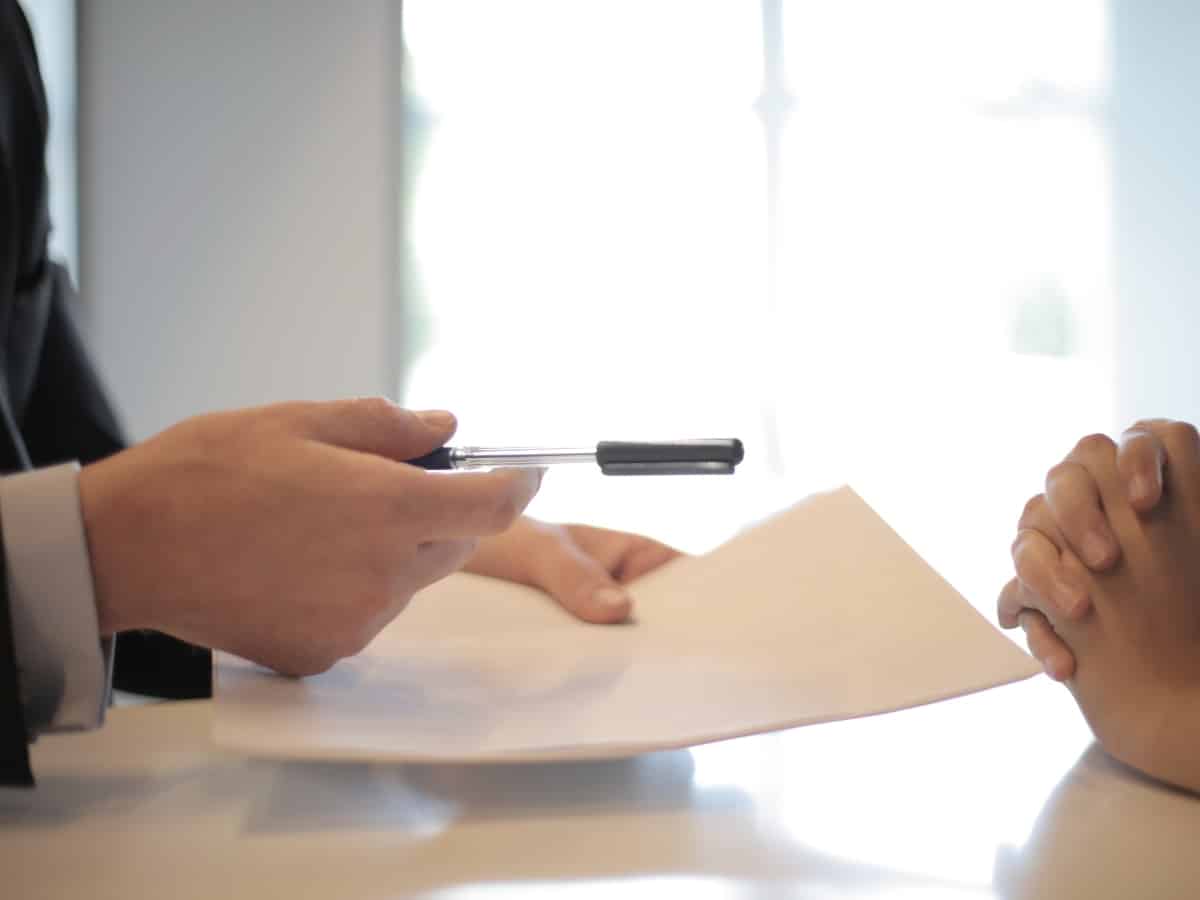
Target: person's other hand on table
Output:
[
  {"x": 583, "y": 568},
  {"x": 1132, "y": 634}
]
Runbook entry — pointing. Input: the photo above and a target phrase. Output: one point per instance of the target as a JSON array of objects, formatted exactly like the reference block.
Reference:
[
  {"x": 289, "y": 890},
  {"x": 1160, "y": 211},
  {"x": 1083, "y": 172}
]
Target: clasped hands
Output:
[{"x": 1107, "y": 590}]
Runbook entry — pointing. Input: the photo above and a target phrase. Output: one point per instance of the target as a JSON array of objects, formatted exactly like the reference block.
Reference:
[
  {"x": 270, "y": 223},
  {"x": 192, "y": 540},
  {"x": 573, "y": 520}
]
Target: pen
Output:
[{"x": 715, "y": 456}]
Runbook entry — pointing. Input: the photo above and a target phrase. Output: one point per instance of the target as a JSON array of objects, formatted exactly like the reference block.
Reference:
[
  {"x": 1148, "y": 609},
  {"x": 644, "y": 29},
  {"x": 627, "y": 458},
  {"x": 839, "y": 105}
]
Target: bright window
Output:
[
  {"x": 871, "y": 239},
  {"x": 53, "y": 26}
]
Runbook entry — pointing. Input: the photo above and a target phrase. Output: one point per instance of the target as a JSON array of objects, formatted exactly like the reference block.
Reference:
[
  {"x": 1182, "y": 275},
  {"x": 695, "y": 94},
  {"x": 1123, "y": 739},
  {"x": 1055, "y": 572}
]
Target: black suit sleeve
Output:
[
  {"x": 17, "y": 114},
  {"x": 67, "y": 416},
  {"x": 14, "y": 754}
]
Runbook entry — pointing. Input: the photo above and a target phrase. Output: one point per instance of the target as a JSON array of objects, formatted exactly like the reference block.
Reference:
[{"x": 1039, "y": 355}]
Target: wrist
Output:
[
  {"x": 100, "y": 502},
  {"x": 1158, "y": 736},
  {"x": 1172, "y": 750}
]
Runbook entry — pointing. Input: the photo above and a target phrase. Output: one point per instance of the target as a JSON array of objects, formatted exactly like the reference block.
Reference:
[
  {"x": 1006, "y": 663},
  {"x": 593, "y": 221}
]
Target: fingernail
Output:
[
  {"x": 611, "y": 598},
  {"x": 1095, "y": 550},
  {"x": 436, "y": 418}
]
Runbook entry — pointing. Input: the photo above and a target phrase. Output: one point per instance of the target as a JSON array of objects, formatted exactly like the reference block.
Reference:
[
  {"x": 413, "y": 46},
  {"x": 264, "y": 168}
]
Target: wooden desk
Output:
[{"x": 995, "y": 795}]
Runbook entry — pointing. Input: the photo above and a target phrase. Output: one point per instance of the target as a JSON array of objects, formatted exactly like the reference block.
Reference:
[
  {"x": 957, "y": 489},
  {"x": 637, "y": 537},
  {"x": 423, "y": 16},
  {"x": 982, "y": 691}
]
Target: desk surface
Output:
[{"x": 996, "y": 795}]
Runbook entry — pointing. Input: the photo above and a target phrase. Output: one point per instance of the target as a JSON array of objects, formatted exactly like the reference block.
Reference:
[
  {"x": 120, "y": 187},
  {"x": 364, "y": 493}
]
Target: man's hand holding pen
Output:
[{"x": 292, "y": 534}]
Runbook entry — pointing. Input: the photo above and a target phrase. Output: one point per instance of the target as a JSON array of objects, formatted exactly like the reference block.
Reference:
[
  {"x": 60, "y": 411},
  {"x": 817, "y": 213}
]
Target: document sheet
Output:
[{"x": 819, "y": 613}]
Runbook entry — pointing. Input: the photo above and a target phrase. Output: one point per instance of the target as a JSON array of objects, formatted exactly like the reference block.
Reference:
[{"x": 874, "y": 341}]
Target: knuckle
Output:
[
  {"x": 374, "y": 407},
  {"x": 1008, "y": 603},
  {"x": 1031, "y": 512},
  {"x": 1024, "y": 559},
  {"x": 1095, "y": 445},
  {"x": 281, "y": 412},
  {"x": 296, "y": 416},
  {"x": 1018, "y": 545},
  {"x": 1183, "y": 434},
  {"x": 1033, "y": 568},
  {"x": 1138, "y": 451},
  {"x": 1062, "y": 475},
  {"x": 1147, "y": 425}
]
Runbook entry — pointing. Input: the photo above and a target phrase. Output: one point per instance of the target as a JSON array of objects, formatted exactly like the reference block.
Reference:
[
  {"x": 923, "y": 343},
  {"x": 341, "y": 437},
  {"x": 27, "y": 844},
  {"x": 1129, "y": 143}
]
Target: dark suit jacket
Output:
[{"x": 52, "y": 407}]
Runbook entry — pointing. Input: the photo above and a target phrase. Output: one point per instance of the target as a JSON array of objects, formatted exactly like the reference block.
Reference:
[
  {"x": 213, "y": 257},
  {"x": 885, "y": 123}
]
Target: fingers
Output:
[
  {"x": 586, "y": 570},
  {"x": 626, "y": 556},
  {"x": 1132, "y": 473},
  {"x": 1073, "y": 498},
  {"x": 647, "y": 556},
  {"x": 1046, "y": 646},
  {"x": 1017, "y": 607},
  {"x": 373, "y": 425},
  {"x": 436, "y": 505},
  {"x": 1050, "y": 576},
  {"x": 444, "y": 505},
  {"x": 1180, "y": 450},
  {"x": 1012, "y": 603},
  {"x": 1141, "y": 457},
  {"x": 580, "y": 584}
]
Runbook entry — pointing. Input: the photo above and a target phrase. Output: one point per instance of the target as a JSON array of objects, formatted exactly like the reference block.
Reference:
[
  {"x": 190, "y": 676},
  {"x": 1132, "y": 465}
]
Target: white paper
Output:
[{"x": 820, "y": 613}]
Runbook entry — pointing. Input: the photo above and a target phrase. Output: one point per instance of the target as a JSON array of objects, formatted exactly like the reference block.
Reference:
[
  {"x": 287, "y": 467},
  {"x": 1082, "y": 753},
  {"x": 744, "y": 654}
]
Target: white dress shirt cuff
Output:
[{"x": 63, "y": 667}]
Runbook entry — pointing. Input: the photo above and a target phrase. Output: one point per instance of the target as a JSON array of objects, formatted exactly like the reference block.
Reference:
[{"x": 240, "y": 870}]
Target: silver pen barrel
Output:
[{"x": 518, "y": 457}]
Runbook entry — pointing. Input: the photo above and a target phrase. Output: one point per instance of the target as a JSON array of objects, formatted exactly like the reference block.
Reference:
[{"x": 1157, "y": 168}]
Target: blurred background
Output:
[{"x": 917, "y": 247}]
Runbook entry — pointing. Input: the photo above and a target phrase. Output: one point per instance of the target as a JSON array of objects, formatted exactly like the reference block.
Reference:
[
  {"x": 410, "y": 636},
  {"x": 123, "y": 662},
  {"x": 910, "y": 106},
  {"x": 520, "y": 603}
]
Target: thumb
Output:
[
  {"x": 376, "y": 425},
  {"x": 581, "y": 585}
]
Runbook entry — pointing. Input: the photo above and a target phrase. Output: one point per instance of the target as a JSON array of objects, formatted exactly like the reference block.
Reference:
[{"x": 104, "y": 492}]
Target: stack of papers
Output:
[{"x": 820, "y": 613}]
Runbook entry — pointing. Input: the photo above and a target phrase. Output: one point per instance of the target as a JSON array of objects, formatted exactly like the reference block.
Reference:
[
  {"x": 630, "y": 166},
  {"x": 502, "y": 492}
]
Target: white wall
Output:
[{"x": 236, "y": 201}]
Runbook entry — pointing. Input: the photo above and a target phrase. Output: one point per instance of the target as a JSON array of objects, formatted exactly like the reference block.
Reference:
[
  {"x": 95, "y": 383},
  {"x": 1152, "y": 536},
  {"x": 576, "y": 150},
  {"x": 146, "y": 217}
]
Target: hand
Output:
[
  {"x": 1137, "y": 677},
  {"x": 1068, "y": 524},
  {"x": 582, "y": 568},
  {"x": 288, "y": 534}
]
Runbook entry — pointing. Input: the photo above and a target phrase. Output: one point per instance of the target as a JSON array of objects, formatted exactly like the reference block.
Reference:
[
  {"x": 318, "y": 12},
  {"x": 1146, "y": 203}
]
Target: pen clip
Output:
[{"x": 714, "y": 456}]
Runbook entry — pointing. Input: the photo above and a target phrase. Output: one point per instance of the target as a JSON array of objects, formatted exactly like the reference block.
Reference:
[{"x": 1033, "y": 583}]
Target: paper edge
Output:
[
  {"x": 593, "y": 751},
  {"x": 601, "y": 751}
]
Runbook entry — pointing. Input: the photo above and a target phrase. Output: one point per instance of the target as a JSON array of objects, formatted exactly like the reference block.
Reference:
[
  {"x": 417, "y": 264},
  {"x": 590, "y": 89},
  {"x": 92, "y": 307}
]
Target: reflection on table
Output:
[{"x": 995, "y": 795}]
